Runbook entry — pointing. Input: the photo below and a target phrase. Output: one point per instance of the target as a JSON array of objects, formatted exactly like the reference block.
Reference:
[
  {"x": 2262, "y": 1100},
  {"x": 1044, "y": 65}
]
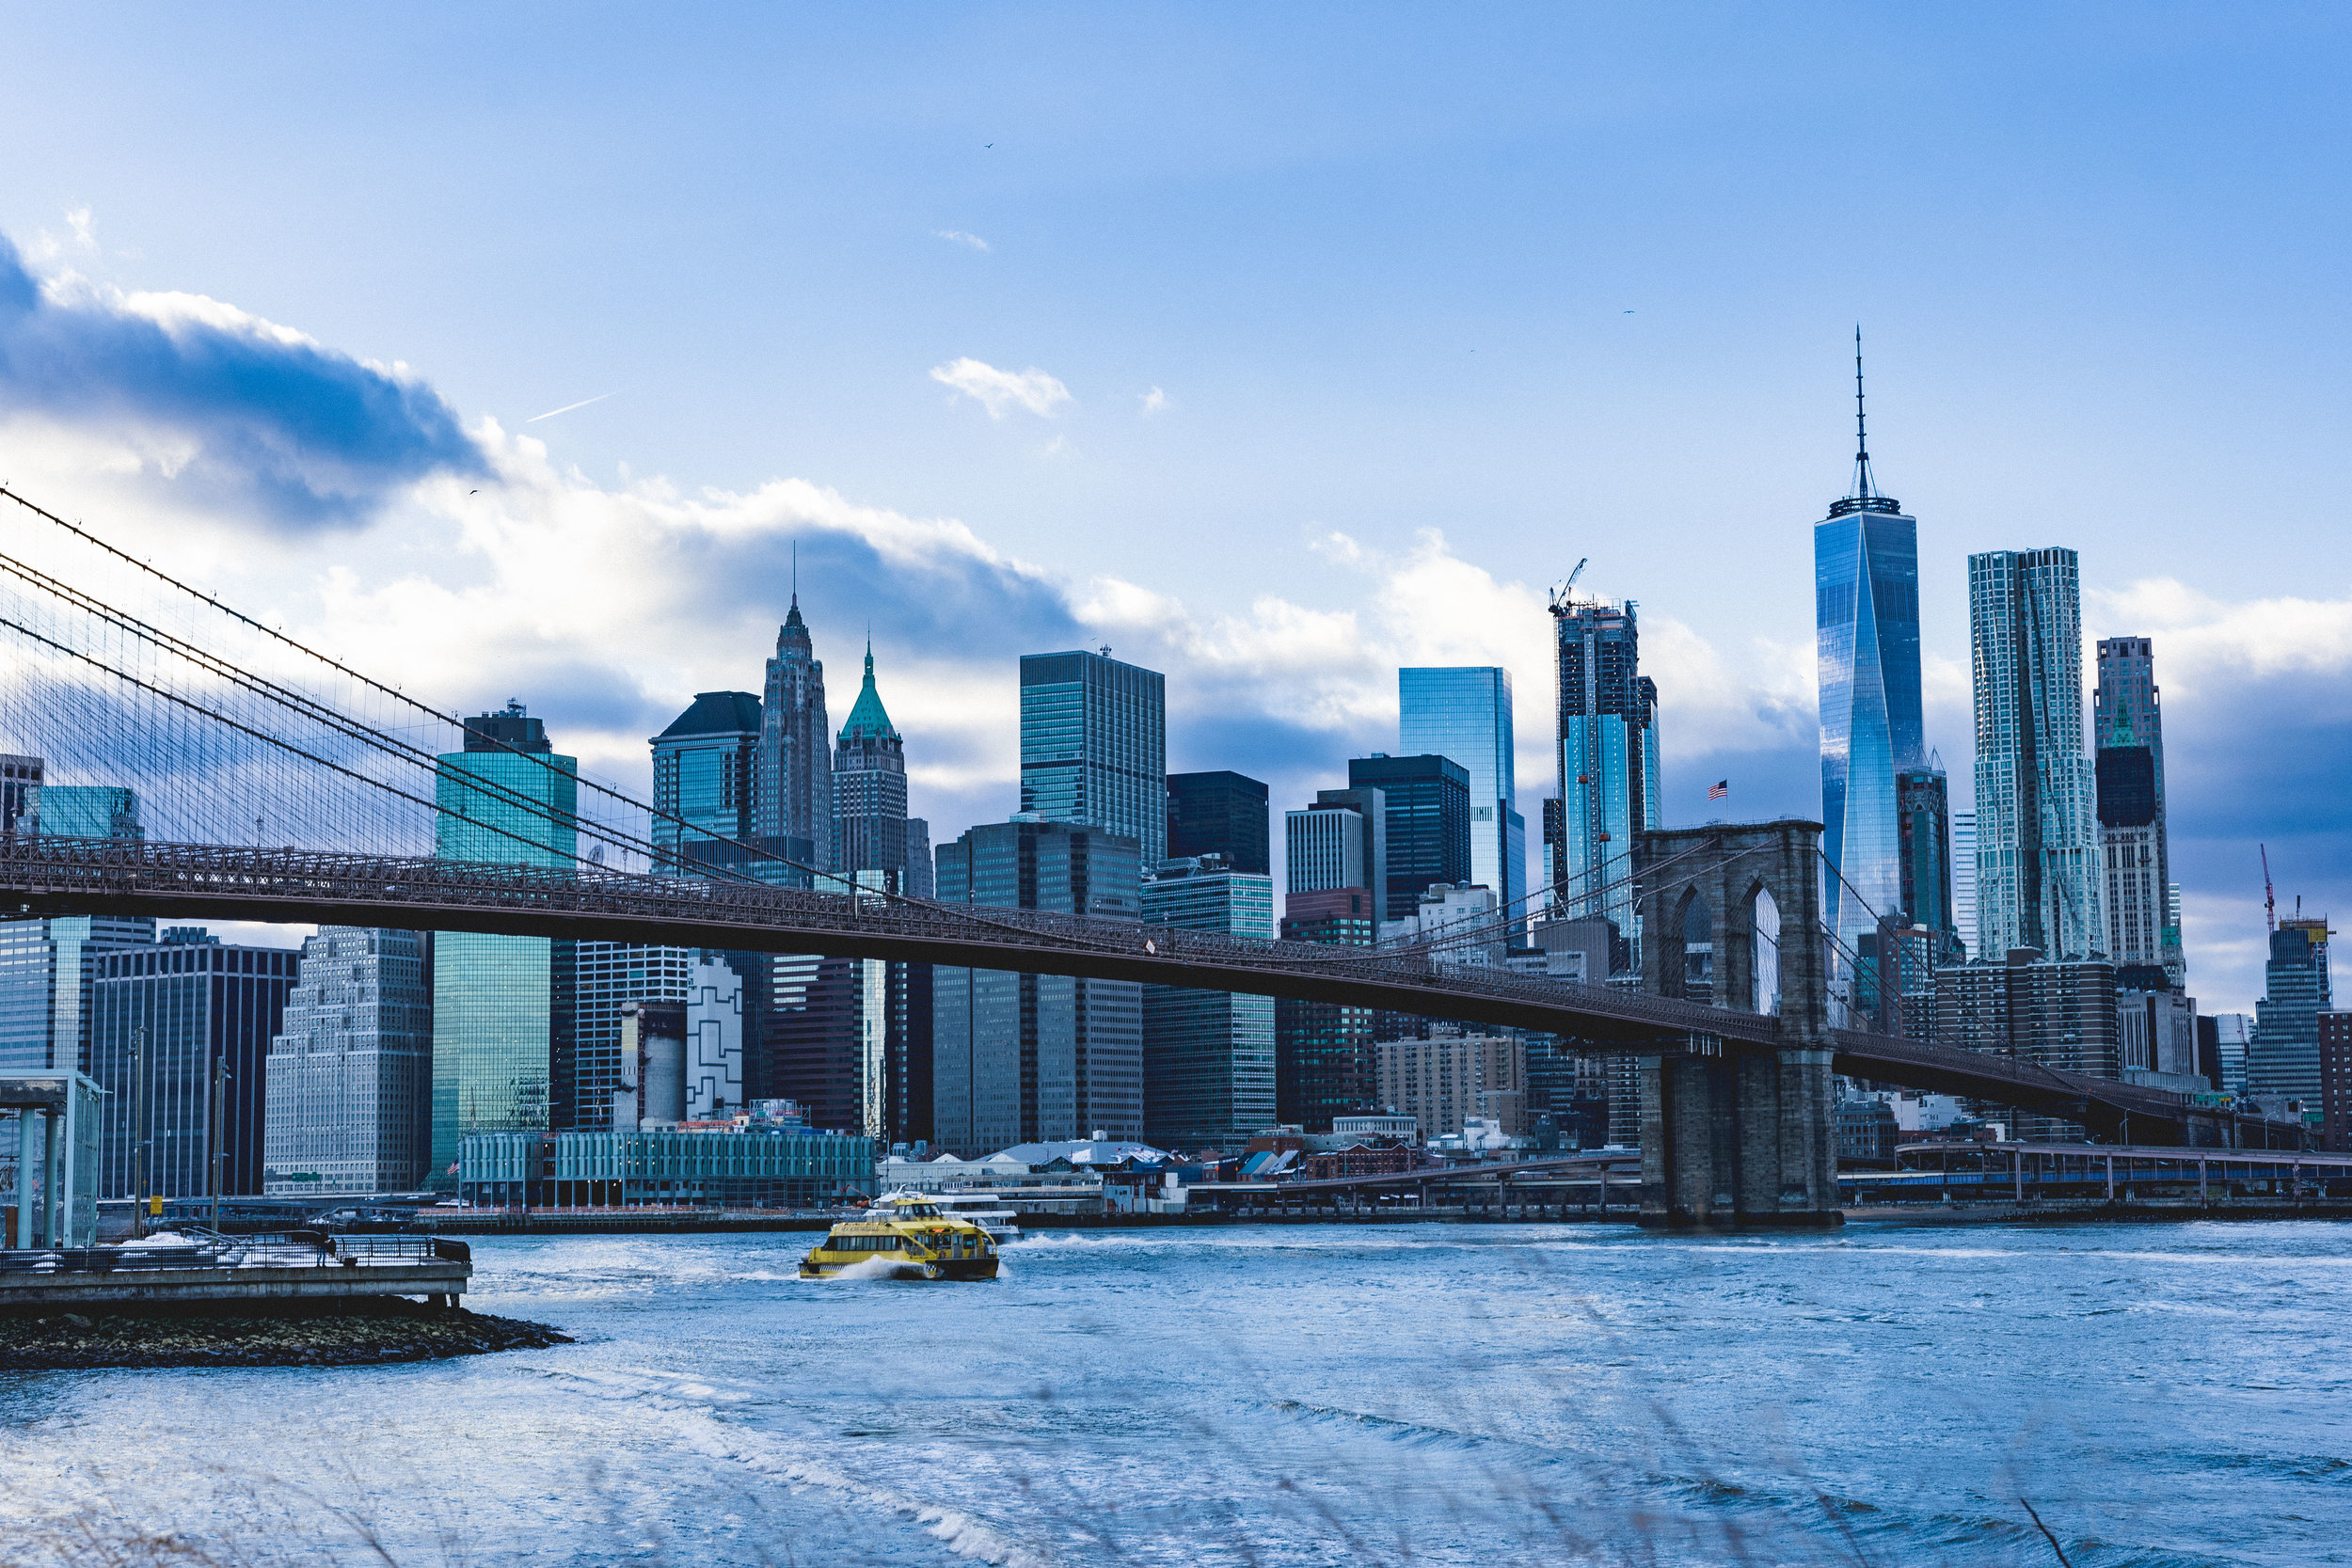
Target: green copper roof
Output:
[{"x": 868, "y": 717}]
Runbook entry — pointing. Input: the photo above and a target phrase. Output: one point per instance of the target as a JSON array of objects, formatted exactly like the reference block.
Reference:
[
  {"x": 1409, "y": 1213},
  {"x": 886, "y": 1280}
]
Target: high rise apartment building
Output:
[
  {"x": 502, "y": 1008},
  {"x": 2283, "y": 1056},
  {"x": 2039, "y": 881},
  {"x": 1425, "y": 823},
  {"x": 350, "y": 1069},
  {"x": 1964, "y": 880},
  {"x": 180, "y": 1007},
  {"x": 1866, "y": 595},
  {"x": 795, "y": 765},
  {"x": 1464, "y": 714},
  {"x": 1094, "y": 746},
  {"x": 1222, "y": 814},
  {"x": 1444, "y": 1081},
  {"x": 1609, "y": 779},
  {"x": 1024, "y": 1058},
  {"x": 2056, "y": 1013},
  {"x": 1208, "y": 1055},
  {"x": 2143, "y": 931}
]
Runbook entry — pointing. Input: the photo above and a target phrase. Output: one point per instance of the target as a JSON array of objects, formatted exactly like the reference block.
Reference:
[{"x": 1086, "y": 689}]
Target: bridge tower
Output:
[{"x": 1745, "y": 1137}]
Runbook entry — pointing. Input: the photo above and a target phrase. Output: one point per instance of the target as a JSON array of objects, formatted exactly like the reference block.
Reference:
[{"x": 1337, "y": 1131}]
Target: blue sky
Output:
[{"x": 1274, "y": 349}]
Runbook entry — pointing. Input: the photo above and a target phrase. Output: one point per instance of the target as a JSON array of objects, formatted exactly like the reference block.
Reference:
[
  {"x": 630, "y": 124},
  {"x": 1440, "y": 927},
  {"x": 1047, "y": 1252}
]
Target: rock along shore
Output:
[{"x": 355, "y": 1333}]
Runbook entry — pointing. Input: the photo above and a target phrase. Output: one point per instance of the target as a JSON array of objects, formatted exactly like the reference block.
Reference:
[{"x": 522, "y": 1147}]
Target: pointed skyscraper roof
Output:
[
  {"x": 1865, "y": 496},
  {"x": 866, "y": 717}
]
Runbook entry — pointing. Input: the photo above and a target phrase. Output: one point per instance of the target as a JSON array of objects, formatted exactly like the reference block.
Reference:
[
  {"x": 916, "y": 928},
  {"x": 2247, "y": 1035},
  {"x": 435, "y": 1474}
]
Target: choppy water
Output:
[{"x": 1445, "y": 1394}]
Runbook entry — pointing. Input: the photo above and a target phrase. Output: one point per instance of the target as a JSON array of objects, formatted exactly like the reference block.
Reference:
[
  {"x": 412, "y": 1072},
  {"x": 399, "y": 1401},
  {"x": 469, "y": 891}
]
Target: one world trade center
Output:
[{"x": 1865, "y": 586}]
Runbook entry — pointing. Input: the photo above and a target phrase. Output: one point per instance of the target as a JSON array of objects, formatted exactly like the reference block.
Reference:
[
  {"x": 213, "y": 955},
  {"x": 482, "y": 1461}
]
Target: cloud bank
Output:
[{"x": 233, "y": 410}]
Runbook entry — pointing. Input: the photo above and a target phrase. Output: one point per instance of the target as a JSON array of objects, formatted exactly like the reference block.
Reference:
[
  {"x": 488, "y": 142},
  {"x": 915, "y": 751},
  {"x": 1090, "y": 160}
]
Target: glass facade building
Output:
[
  {"x": 1220, "y": 814},
  {"x": 183, "y": 1005},
  {"x": 1322, "y": 1051},
  {"x": 1465, "y": 714},
  {"x": 2127, "y": 727},
  {"x": 1208, "y": 1055},
  {"x": 1025, "y": 1058},
  {"x": 502, "y": 1005},
  {"x": 2283, "y": 1056},
  {"x": 1608, "y": 762},
  {"x": 2038, "y": 876},
  {"x": 1094, "y": 746},
  {"x": 1329, "y": 847},
  {"x": 350, "y": 1089},
  {"x": 1866, "y": 595},
  {"x": 1425, "y": 823}
]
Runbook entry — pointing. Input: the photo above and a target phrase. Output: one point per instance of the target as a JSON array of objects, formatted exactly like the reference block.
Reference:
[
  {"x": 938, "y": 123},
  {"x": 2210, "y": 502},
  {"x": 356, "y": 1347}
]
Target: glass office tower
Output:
[
  {"x": 1094, "y": 746},
  {"x": 1866, "y": 596},
  {"x": 501, "y": 1006},
  {"x": 1465, "y": 714},
  {"x": 1220, "y": 814},
  {"x": 1208, "y": 1055},
  {"x": 1426, "y": 823}
]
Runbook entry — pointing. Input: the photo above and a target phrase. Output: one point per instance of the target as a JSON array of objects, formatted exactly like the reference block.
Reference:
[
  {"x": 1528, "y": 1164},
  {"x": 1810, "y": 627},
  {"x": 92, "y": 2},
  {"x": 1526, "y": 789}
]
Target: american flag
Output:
[{"x": 1720, "y": 789}]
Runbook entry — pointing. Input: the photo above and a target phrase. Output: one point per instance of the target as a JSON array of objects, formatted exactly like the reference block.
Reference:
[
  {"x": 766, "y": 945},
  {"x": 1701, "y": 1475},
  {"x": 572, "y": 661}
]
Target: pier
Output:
[{"x": 214, "y": 1273}]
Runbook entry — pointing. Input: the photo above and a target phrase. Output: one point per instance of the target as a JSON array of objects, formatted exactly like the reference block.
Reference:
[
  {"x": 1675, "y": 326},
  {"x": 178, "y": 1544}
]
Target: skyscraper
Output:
[
  {"x": 45, "y": 965},
  {"x": 1608, "y": 758},
  {"x": 1018, "y": 1058},
  {"x": 2143, "y": 934},
  {"x": 795, "y": 773},
  {"x": 1964, "y": 880},
  {"x": 1323, "y": 1056},
  {"x": 1208, "y": 1055},
  {"x": 1094, "y": 746},
  {"x": 2037, "y": 882},
  {"x": 706, "y": 786},
  {"x": 502, "y": 1023},
  {"x": 869, "y": 786},
  {"x": 1426, "y": 823},
  {"x": 1922, "y": 820},
  {"x": 350, "y": 1070},
  {"x": 1465, "y": 714},
  {"x": 196, "y": 1003},
  {"x": 1329, "y": 847},
  {"x": 2283, "y": 1056},
  {"x": 706, "y": 774},
  {"x": 1866, "y": 595},
  {"x": 1219, "y": 814}
]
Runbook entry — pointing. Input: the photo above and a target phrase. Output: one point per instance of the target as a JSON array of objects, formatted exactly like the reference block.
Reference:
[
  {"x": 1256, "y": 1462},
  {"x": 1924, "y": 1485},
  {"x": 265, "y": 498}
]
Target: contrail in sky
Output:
[{"x": 569, "y": 406}]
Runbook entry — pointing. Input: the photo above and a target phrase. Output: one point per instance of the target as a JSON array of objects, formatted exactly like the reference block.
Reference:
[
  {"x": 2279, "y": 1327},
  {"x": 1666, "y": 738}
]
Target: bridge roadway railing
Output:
[
  {"x": 91, "y": 876},
  {"x": 63, "y": 875}
]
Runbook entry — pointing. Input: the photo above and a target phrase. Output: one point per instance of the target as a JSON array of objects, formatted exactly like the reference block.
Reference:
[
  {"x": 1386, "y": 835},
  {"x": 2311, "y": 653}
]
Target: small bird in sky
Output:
[
  {"x": 1629, "y": 312},
  {"x": 992, "y": 144},
  {"x": 473, "y": 492}
]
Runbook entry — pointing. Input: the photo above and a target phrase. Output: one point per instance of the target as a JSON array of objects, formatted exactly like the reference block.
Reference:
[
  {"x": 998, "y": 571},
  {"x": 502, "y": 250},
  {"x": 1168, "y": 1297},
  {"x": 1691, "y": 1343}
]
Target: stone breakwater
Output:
[{"x": 360, "y": 1334}]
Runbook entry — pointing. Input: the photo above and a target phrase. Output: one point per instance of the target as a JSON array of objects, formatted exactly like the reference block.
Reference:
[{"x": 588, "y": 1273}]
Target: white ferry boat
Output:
[{"x": 983, "y": 1209}]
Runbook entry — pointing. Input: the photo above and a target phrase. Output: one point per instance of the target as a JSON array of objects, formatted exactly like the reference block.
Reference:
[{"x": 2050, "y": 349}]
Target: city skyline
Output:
[{"x": 1041, "y": 454}]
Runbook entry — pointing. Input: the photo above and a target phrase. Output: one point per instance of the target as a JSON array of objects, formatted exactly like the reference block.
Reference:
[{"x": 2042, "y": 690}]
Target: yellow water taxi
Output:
[{"x": 904, "y": 1236}]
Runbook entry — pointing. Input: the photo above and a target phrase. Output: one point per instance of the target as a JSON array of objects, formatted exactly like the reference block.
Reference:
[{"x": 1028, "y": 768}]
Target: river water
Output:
[{"x": 2161, "y": 1394}]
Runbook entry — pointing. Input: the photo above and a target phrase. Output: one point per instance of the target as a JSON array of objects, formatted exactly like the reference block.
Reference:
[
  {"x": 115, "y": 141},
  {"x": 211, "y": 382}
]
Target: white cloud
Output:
[
  {"x": 960, "y": 237},
  {"x": 997, "y": 390},
  {"x": 84, "y": 229},
  {"x": 1155, "y": 402},
  {"x": 2207, "y": 639}
]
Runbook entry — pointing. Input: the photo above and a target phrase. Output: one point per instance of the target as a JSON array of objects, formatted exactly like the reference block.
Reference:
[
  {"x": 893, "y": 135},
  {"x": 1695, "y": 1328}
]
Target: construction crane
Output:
[
  {"x": 2270, "y": 899},
  {"x": 1560, "y": 594}
]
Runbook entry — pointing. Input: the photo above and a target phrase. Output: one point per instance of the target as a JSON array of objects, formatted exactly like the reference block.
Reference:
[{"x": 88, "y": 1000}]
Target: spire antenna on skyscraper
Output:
[{"x": 1865, "y": 496}]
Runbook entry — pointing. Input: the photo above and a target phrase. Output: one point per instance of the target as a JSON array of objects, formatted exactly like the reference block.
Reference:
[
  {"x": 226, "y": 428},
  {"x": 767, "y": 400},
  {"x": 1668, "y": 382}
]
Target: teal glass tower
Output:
[
  {"x": 501, "y": 1006},
  {"x": 1094, "y": 746},
  {"x": 1465, "y": 714},
  {"x": 1866, "y": 595},
  {"x": 1208, "y": 1055}
]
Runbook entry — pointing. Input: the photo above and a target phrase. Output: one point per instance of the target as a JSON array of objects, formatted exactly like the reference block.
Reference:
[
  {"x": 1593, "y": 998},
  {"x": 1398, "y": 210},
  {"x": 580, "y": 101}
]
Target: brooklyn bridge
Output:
[{"x": 280, "y": 785}]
